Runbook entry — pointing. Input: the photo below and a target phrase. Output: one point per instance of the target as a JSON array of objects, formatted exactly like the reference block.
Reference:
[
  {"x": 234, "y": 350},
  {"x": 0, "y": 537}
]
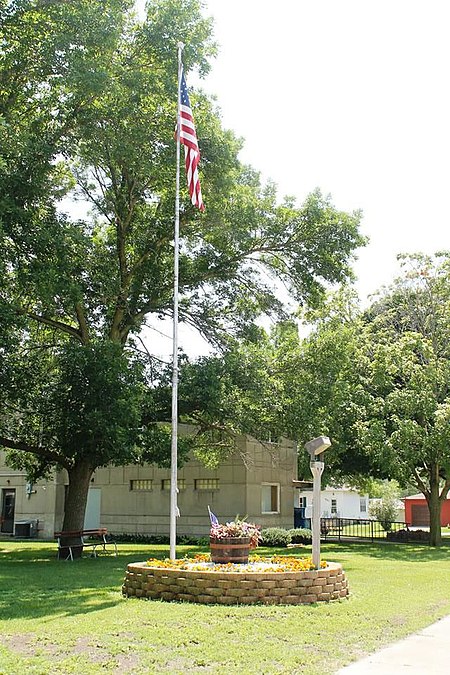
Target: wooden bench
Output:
[{"x": 71, "y": 543}]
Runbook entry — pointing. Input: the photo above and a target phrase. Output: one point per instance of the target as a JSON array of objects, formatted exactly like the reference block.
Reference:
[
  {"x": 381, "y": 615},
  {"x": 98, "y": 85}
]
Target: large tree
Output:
[{"x": 87, "y": 107}]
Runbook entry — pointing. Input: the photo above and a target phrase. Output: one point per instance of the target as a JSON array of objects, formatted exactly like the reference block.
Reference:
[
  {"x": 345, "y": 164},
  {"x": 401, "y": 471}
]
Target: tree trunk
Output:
[
  {"x": 434, "y": 506},
  {"x": 75, "y": 506}
]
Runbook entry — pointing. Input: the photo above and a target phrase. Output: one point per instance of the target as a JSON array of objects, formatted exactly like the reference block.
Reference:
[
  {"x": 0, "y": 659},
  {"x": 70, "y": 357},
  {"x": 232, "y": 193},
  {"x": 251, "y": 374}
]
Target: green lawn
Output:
[{"x": 63, "y": 617}]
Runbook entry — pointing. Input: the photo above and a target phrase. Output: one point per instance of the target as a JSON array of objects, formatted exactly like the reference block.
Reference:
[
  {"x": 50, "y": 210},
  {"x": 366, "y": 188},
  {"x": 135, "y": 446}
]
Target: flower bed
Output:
[{"x": 276, "y": 580}]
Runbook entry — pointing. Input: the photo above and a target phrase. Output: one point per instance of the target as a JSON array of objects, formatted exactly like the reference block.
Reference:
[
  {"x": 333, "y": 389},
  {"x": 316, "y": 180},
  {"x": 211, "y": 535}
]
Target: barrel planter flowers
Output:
[{"x": 232, "y": 542}]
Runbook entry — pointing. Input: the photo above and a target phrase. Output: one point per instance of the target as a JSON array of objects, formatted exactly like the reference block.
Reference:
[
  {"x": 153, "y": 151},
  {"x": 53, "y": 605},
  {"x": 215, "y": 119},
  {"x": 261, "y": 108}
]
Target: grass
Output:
[{"x": 63, "y": 617}]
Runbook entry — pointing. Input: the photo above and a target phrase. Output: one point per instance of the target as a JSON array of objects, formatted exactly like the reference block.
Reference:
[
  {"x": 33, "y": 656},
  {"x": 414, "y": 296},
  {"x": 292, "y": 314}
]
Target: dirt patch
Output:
[
  {"x": 95, "y": 653},
  {"x": 22, "y": 643}
]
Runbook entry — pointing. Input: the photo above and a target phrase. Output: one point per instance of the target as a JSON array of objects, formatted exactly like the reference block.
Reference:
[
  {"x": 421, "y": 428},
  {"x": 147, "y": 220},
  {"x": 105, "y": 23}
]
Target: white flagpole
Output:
[{"x": 174, "y": 451}]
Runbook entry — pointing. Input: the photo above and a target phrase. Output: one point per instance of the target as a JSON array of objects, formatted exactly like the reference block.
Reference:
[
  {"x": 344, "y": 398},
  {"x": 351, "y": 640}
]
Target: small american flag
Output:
[
  {"x": 188, "y": 138},
  {"x": 214, "y": 520}
]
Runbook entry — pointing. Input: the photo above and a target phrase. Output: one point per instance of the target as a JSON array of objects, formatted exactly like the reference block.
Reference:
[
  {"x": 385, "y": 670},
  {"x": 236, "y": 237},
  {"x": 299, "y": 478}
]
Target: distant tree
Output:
[
  {"x": 379, "y": 385},
  {"x": 385, "y": 508}
]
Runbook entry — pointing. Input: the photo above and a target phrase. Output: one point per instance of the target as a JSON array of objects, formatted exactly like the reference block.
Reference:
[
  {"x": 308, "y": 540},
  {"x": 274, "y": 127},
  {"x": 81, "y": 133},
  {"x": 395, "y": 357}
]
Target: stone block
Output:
[
  {"x": 237, "y": 592},
  {"x": 205, "y": 599},
  {"x": 226, "y": 600},
  {"x": 139, "y": 593},
  {"x": 309, "y": 598},
  {"x": 291, "y": 600},
  {"x": 225, "y": 583},
  {"x": 152, "y": 594},
  {"x": 268, "y": 584},
  {"x": 186, "y": 597},
  {"x": 281, "y": 592},
  {"x": 343, "y": 593},
  {"x": 248, "y": 600},
  {"x": 167, "y": 595},
  {"x": 160, "y": 588},
  {"x": 329, "y": 588},
  {"x": 214, "y": 591},
  {"x": 325, "y": 597},
  {"x": 320, "y": 581},
  {"x": 271, "y": 600}
]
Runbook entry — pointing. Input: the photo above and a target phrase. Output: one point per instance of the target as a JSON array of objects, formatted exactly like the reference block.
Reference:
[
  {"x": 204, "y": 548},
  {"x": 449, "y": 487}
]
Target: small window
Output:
[
  {"x": 141, "y": 484},
  {"x": 334, "y": 506},
  {"x": 362, "y": 505},
  {"x": 206, "y": 483},
  {"x": 165, "y": 484},
  {"x": 270, "y": 498},
  {"x": 302, "y": 502}
]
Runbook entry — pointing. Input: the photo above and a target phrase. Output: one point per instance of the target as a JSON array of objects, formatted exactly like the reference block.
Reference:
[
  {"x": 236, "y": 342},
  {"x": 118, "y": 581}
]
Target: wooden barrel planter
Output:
[{"x": 229, "y": 549}]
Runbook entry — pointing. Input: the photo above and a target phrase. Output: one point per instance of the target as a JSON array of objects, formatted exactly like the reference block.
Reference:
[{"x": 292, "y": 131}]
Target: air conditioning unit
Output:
[{"x": 25, "y": 528}]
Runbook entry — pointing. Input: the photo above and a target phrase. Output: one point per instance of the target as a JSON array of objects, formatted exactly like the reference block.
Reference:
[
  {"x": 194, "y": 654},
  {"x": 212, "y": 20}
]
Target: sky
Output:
[{"x": 350, "y": 96}]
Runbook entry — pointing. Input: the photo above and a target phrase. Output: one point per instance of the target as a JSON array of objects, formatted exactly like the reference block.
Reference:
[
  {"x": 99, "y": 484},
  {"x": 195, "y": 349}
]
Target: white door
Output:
[{"x": 92, "y": 515}]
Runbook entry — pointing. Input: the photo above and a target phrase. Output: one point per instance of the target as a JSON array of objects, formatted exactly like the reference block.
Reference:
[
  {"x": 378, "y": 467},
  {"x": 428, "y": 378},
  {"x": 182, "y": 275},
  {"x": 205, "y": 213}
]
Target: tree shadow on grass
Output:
[{"x": 36, "y": 585}]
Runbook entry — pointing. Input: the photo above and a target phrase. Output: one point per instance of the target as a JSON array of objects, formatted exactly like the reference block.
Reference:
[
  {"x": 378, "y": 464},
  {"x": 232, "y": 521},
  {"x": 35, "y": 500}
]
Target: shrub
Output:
[
  {"x": 300, "y": 535},
  {"x": 275, "y": 536},
  {"x": 408, "y": 535},
  {"x": 141, "y": 538}
]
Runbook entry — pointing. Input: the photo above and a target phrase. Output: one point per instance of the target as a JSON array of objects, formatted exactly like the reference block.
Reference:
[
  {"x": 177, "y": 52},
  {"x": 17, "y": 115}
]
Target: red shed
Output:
[{"x": 417, "y": 514}]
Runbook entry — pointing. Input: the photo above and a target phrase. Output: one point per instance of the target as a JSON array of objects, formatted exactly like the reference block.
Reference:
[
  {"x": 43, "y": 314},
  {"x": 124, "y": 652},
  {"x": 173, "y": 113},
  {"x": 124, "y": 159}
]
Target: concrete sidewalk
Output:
[{"x": 424, "y": 653}]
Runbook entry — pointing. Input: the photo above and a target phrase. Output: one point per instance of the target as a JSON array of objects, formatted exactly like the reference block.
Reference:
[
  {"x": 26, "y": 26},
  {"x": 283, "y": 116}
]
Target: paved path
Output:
[{"x": 424, "y": 653}]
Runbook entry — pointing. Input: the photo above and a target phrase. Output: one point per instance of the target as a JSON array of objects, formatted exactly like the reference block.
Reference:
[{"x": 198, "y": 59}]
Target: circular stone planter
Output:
[{"x": 232, "y": 588}]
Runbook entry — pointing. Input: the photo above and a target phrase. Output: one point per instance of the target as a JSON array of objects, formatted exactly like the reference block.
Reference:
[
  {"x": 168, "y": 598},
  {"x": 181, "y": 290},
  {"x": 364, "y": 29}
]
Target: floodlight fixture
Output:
[{"x": 317, "y": 446}]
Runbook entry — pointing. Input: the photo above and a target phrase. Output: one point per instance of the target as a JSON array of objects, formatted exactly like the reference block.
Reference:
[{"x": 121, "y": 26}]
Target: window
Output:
[
  {"x": 206, "y": 483},
  {"x": 334, "y": 506},
  {"x": 270, "y": 498},
  {"x": 165, "y": 484},
  {"x": 302, "y": 502},
  {"x": 362, "y": 505},
  {"x": 141, "y": 484}
]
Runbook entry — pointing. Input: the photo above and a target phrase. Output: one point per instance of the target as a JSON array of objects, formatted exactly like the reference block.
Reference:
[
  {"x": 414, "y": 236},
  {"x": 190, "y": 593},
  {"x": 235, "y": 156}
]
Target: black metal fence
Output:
[{"x": 349, "y": 528}]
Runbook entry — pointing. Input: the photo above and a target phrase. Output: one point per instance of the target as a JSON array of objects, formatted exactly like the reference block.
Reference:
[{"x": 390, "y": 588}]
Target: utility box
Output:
[{"x": 25, "y": 528}]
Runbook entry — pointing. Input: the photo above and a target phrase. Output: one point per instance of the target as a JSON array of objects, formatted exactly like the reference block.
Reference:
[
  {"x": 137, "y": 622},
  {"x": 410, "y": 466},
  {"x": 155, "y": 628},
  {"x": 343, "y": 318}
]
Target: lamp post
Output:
[{"x": 315, "y": 448}]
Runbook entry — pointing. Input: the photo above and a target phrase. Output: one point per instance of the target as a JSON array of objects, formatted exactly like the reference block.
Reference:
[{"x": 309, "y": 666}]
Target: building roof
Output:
[{"x": 420, "y": 496}]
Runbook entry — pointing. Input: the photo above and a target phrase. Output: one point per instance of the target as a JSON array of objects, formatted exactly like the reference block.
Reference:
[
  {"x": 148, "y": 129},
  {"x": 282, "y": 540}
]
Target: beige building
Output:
[{"x": 255, "y": 481}]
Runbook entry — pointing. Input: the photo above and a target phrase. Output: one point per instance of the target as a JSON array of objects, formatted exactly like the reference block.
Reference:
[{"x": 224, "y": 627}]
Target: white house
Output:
[{"x": 338, "y": 502}]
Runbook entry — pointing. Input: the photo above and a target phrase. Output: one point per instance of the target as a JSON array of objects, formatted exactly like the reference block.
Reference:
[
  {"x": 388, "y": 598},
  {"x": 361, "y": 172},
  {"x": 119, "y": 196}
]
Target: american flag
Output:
[
  {"x": 214, "y": 520},
  {"x": 188, "y": 138}
]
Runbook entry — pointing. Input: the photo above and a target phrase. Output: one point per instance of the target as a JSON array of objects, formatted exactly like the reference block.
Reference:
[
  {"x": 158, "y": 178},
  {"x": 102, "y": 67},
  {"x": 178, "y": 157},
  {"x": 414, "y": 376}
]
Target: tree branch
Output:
[
  {"x": 84, "y": 329},
  {"x": 59, "y": 325},
  {"x": 50, "y": 455}
]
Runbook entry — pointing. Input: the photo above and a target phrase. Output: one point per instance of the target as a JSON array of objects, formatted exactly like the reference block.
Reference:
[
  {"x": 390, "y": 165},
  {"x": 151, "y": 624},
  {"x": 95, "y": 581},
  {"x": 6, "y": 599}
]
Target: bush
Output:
[
  {"x": 300, "y": 535},
  {"x": 408, "y": 535},
  {"x": 140, "y": 538},
  {"x": 275, "y": 536}
]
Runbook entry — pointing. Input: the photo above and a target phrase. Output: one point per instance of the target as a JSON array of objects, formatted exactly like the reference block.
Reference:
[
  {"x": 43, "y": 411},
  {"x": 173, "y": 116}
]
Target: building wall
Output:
[
  {"x": 421, "y": 503},
  {"x": 128, "y": 506},
  {"x": 348, "y": 503},
  {"x": 35, "y": 504}
]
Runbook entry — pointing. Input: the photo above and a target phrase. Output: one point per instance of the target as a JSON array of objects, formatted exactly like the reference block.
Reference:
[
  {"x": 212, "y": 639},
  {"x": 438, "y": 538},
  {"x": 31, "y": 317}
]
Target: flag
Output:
[
  {"x": 213, "y": 518},
  {"x": 188, "y": 138}
]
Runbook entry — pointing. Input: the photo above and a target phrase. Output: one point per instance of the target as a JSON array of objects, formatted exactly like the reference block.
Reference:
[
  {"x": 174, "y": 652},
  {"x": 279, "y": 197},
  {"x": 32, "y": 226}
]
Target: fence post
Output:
[{"x": 371, "y": 530}]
